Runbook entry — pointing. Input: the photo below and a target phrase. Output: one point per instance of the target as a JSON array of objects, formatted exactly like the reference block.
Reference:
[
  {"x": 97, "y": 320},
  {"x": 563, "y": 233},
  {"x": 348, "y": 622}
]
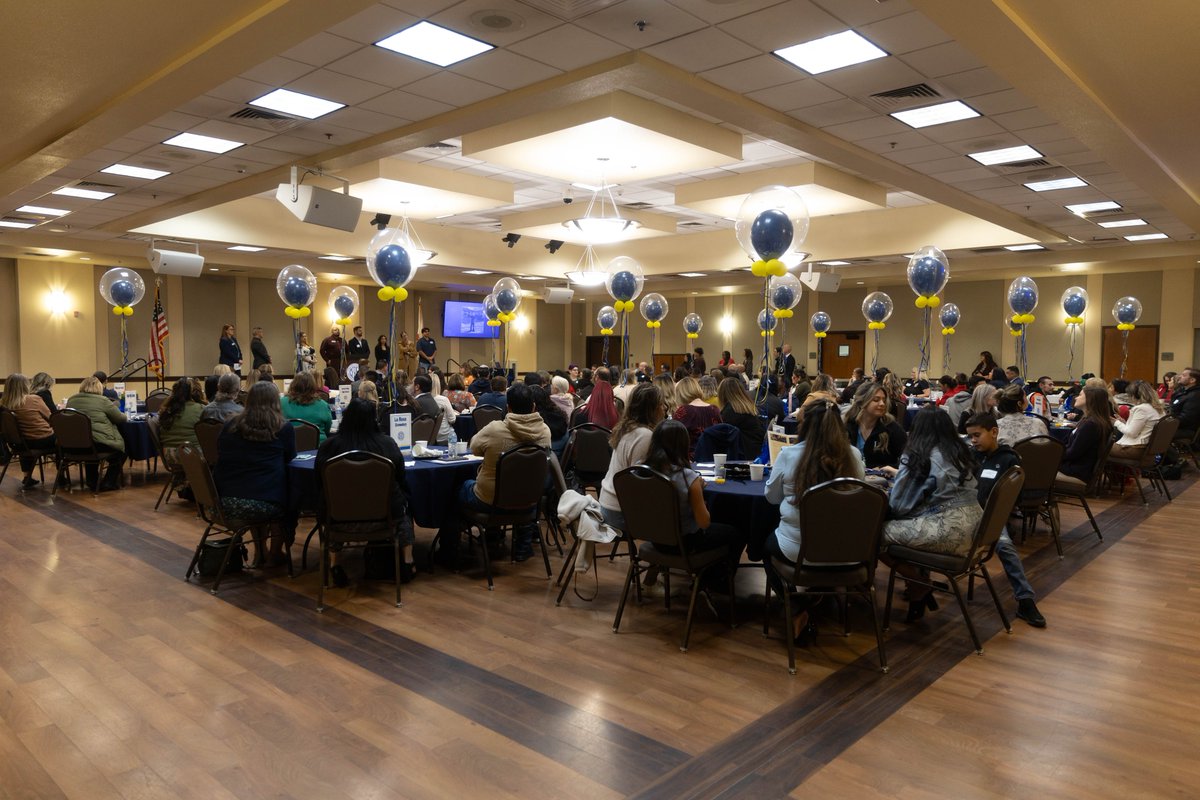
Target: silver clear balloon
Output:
[
  {"x": 122, "y": 287},
  {"x": 768, "y": 198},
  {"x": 296, "y": 286}
]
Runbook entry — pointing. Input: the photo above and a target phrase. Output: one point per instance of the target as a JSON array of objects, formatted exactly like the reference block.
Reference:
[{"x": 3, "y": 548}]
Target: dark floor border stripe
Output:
[
  {"x": 773, "y": 755},
  {"x": 603, "y": 751}
]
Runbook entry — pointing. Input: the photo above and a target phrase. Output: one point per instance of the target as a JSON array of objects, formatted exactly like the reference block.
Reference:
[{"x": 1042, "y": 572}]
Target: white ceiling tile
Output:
[
  {"x": 497, "y": 22},
  {"x": 372, "y": 24},
  {"x": 704, "y": 49},
  {"x": 714, "y": 12},
  {"x": 321, "y": 49},
  {"x": 1045, "y": 133},
  {"x": 833, "y": 113},
  {"x": 893, "y": 142},
  {"x": 868, "y": 129},
  {"x": 880, "y": 75},
  {"x": 383, "y": 67},
  {"x": 292, "y": 144},
  {"x": 942, "y": 59},
  {"x": 240, "y": 90},
  {"x": 505, "y": 69},
  {"x": 177, "y": 121},
  {"x": 943, "y": 163},
  {"x": 973, "y": 82},
  {"x": 963, "y": 129},
  {"x": 1020, "y": 120},
  {"x": 228, "y": 130},
  {"x": 1067, "y": 148},
  {"x": 797, "y": 94},
  {"x": 207, "y": 106},
  {"x": 663, "y": 22},
  {"x": 1000, "y": 102},
  {"x": 454, "y": 89},
  {"x": 904, "y": 33},
  {"x": 339, "y": 88},
  {"x": 277, "y": 71},
  {"x": 400, "y": 103},
  {"x": 568, "y": 47},
  {"x": 863, "y": 12},
  {"x": 991, "y": 182},
  {"x": 752, "y": 74},
  {"x": 252, "y": 158},
  {"x": 326, "y": 134},
  {"x": 361, "y": 119},
  {"x": 968, "y": 174},
  {"x": 782, "y": 25}
]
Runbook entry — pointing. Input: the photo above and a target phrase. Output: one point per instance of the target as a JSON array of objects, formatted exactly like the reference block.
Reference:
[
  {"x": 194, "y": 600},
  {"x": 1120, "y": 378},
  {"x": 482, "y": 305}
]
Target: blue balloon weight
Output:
[
  {"x": 1074, "y": 305},
  {"x": 771, "y": 233},
  {"x": 950, "y": 315},
  {"x": 624, "y": 285},
  {"x": 393, "y": 265},
  {"x": 506, "y": 300},
  {"x": 1023, "y": 296},
  {"x": 927, "y": 276},
  {"x": 344, "y": 306},
  {"x": 767, "y": 320},
  {"x": 821, "y": 322},
  {"x": 783, "y": 296},
  {"x": 122, "y": 292},
  {"x": 297, "y": 292}
]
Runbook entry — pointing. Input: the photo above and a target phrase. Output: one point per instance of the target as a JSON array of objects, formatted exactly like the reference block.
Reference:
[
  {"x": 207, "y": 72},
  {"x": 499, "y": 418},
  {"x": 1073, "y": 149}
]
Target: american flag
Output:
[{"x": 158, "y": 334}]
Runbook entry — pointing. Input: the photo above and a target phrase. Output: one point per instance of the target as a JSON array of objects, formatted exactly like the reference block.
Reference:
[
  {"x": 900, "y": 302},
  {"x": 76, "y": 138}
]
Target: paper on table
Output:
[
  {"x": 306, "y": 456},
  {"x": 409, "y": 463}
]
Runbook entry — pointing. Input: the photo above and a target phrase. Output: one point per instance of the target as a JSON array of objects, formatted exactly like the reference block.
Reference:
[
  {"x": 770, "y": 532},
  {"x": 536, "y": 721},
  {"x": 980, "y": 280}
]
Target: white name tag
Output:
[{"x": 989, "y": 474}]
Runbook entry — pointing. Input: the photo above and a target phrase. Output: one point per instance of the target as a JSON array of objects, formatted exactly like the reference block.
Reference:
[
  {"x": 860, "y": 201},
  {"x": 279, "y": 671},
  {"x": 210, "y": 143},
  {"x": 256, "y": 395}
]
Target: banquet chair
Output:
[
  {"x": 587, "y": 455},
  {"x": 16, "y": 445},
  {"x": 357, "y": 510},
  {"x": 996, "y": 512},
  {"x": 650, "y": 505},
  {"x": 208, "y": 508},
  {"x": 208, "y": 431},
  {"x": 1073, "y": 491},
  {"x": 1150, "y": 463},
  {"x": 155, "y": 400},
  {"x": 483, "y": 414},
  {"x": 1188, "y": 445},
  {"x": 308, "y": 435},
  {"x": 425, "y": 427},
  {"x": 1040, "y": 458},
  {"x": 175, "y": 476},
  {"x": 842, "y": 520},
  {"x": 74, "y": 445},
  {"x": 720, "y": 438}
]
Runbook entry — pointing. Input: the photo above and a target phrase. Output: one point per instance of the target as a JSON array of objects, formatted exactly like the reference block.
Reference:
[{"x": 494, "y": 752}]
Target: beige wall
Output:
[
  {"x": 208, "y": 304},
  {"x": 63, "y": 344},
  {"x": 10, "y": 317}
]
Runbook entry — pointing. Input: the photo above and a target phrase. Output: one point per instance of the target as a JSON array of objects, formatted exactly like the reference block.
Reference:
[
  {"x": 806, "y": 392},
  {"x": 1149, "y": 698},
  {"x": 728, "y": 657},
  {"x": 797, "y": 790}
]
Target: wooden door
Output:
[
  {"x": 670, "y": 361},
  {"x": 1142, "y": 363},
  {"x": 842, "y": 351},
  {"x": 595, "y": 350}
]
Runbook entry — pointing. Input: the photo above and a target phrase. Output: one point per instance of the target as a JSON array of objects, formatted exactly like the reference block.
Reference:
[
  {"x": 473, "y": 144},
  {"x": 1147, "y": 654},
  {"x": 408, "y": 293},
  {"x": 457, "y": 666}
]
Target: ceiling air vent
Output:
[
  {"x": 918, "y": 94},
  {"x": 265, "y": 120},
  {"x": 94, "y": 185},
  {"x": 984, "y": 251},
  {"x": 1019, "y": 167},
  {"x": 638, "y": 205}
]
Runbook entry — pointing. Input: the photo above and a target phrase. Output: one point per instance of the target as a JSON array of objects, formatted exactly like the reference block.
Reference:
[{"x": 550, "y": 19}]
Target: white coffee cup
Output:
[
  {"x": 719, "y": 459},
  {"x": 756, "y": 472},
  {"x": 421, "y": 445},
  {"x": 462, "y": 448}
]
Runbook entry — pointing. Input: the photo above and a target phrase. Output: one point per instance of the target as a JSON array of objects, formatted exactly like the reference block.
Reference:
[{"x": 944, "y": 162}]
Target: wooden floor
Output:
[{"x": 118, "y": 679}]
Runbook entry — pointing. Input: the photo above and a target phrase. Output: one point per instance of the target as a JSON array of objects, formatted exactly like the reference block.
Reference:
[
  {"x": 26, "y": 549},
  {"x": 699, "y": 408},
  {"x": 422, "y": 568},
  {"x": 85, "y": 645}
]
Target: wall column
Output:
[
  {"x": 1175, "y": 332},
  {"x": 173, "y": 308},
  {"x": 1093, "y": 327}
]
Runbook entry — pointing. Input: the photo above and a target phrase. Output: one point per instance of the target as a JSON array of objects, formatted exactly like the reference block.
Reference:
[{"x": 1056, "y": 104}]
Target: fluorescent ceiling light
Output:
[
  {"x": 1019, "y": 247},
  {"x": 1118, "y": 223},
  {"x": 12, "y": 223},
  {"x": 1083, "y": 209},
  {"x": 209, "y": 144},
  {"x": 296, "y": 104},
  {"x": 830, "y": 52},
  {"x": 691, "y": 274},
  {"x": 245, "y": 248},
  {"x": 88, "y": 194},
  {"x": 835, "y": 263},
  {"x": 135, "y": 172},
  {"x": 935, "y": 115},
  {"x": 477, "y": 272},
  {"x": 434, "y": 44},
  {"x": 1059, "y": 183},
  {"x": 1006, "y": 155},
  {"x": 1144, "y": 237},
  {"x": 336, "y": 258},
  {"x": 49, "y": 212}
]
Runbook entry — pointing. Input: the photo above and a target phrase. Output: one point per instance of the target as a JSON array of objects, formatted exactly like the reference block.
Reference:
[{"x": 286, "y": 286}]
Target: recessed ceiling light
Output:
[
  {"x": 88, "y": 194},
  {"x": 1058, "y": 183},
  {"x": 1005, "y": 155},
  {"x": 1019, "y": 247},
  {"x": 531, "y": 277},
  {"x": 1144, "y": 237},
  {"x": 1116, "y": 223},
  {"x": 434, "y": 44},
  {"x": 135, "y": 172},
  {"x": 85, "y": 258},
  {"x": 1083, "y": 209},
  {"x": 476, "y": 272},
  {"x": 691, "y": 274},
  {"x": 296, "y": 104},
  {"x": 859, "y": 283},
  {"x": 49, "y": 212},
  {"x": 13, "y": 223},
  {"x": 245, "y": 248},
  {"x": 935, "y": 115},
  {"x": 212, "y": 269},
  {"x": 835, "y": 263},
  {"x": 336, "y": 258},
  {"x": 1073, "y": 267},
  {"x": 209, "y": 144},
  {"x": 830, "y": 52}
]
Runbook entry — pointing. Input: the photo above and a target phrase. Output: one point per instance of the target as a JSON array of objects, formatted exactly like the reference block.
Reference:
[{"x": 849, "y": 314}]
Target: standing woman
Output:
[
  {"x": 383, "y": 351},
  {"x": 41, "y": 385},
  {"x": 726, "y": 360},
  {"x": 406, "y": 355},
  {"x": 986, "y": 366},
  {"x": 748, "y": 362},
  {"x": 873, "y": 430},
  {"x": 1093, "y": 430},
  {"x": 1135, "y": 432},
  {"x": 33, "y": 420},
  {"x": 231, "y": 351},
  {"x": 306, "y": 354},
  {"x": 256, "y": 447}
]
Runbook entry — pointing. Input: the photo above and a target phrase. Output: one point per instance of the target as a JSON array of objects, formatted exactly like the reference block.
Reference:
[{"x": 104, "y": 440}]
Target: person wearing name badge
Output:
[
  {"x": 231, "y": 351},
  {"x": 426, "y": 351},
  {"x": 303, "y": 403},
  {"x": 358, "y": 349}
]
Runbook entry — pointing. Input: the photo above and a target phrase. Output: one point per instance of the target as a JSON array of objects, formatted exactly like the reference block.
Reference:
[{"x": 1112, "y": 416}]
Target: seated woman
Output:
[
  {"x": 303, "y": 403},
  {"x": 33, "y": 420},
  {"x": 224, "y": 405},
  {"x": 822, "y": 454},
  {"x": 737, "y": 409},
  {"x": 917, "y": 385},
  {"x": 694, "y": 412},
  {"x": 41, "y": 384},
  {"x": 360, "y": 431},
  {"x": 210, "y": 383},
  {"x": 1094, "y": 428},
  {"x": 630, "y": 442},
  {"x": 872, "y": 430},
  {"x": 457, "y": 394},
  {"x": 934, "y": 500},
  {"x": 822, "y": 389},
  {"x": 708, "y": 388},
  {"x": 560, "y": 395},
  {"x": 178, "y": 417},
  {"x": 601, "y": 406},
  {"x": 555, "y": 420},
  {"x": 256, "y": 447},
  {"x": 1135, "y": 432},
  {"x": 104, "y": 415},
  {"x": 1014, "y": 425},
  {"x": 666, "y": 387}
]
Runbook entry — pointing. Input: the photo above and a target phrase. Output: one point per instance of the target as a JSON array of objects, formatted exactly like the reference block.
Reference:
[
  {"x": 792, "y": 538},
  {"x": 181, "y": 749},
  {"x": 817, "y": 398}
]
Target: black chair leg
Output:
[
  {"x": 788, "y": 627},
  {"x": 1163, "y": 482},
  {"x": 235, "y": 541},
  {"x": 487, "y": 560},
  {"x": 568, "y": 562},
  {"x": 766, "y": 602},
  {"x": 304, "y": 552},
  {"x": 396, "y": 551},
  {"x": 196, "y": 556},
  {"x": 1088, "y": 510},
  {"x": 995, "y": 597},
  {"x": 883, "y": 665},
  {"x": 687, "y": 628},
  {"x": 887, "y": 608},
  {"x": 962, "y": 604},
  {"x": 1055, "y": 527},
  {"x": 545, "y": 556},
  {"x": 629, "y": 576}
]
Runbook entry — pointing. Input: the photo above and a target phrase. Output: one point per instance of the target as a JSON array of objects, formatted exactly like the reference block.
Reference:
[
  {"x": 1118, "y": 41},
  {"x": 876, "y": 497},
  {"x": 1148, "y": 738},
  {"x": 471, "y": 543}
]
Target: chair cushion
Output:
[
  {"x": 1065, "y": 484},
  {"x": 936, "y": 561},
  {"x": 651, "y": 555}
]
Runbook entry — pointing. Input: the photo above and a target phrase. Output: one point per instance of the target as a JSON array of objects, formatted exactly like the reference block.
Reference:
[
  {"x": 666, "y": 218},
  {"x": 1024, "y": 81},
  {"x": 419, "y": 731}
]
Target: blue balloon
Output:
[
  {"x": 122, "y": 292},
  {"x": 297, "y": 292},
  {"x": 821, "y": 322},
  {"x": 344, "y": 306},
  {"x": 1126, "y": 313},
  {"x": 927, "y": 276},
  {"x": 783, "y": 296},
  {"x": 655, "y": 311},
  {"x": 767, "y": 320},
  {"x": 950, "y": 315},
  {"x": 876, "y": 311},
  {"x": 607, "y": 319},
  {"x": 1022, "y": 296},
  {"x": 691, "y": 325},
  {"x": 771, "y": 233},
  {"x": 1075, "y": 305},
  {"x": 506, "y": 300},
  {"x": 393, "y": 265},
  {"x": 490, "y": 308},
  {"x": 624, "y": 285}
]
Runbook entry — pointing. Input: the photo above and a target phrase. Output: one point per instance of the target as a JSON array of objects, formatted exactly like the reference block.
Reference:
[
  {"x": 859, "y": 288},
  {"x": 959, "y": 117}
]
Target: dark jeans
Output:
[
  {"x": 28, "y": 462},
  {"x": 716, "y": 536},
  {"x": 451, "y": 532},
  {"x": 112, "y": 477}
]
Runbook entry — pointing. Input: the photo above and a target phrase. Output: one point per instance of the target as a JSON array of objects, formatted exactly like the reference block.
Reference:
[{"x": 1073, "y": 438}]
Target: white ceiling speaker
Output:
[
  {"x": 557, "y": 296},
  {"x": 175, "y": 262},
  {"x": 318, "y": 206},
  {"x": 820, "y": 281}
]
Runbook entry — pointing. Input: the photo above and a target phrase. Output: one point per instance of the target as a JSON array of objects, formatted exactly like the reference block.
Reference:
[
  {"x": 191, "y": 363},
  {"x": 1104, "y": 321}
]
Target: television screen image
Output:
[{"x": 462, "y": 320}]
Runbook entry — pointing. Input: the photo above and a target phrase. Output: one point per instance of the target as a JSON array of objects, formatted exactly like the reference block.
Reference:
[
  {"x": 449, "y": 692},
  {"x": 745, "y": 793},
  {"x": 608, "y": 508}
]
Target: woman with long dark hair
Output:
[
  {"x": 630, "y": 442},
  {"x": 383, "y": 350},
  {"x": 986, "y": 366},
  {"x": 872, "y": 429},
  {"x": 552, "y": 415},
  {"x": 748, "y": 362},
  {"x": 1012, "y": 421},
  {"x": 178, "y": 417},
  {"x": 33, "y": 420},
  {"x": 1093, "y": 430}
]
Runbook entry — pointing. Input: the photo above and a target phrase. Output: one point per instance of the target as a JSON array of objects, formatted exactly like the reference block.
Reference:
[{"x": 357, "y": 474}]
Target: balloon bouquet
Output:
[
  {"x": 772, "y": 222},
  {"x": 877, "y": 308},
  {"x": 493, "y": 312},
  {"x": 1022, "y": 300},
  {"x": 1126, "y": 311},
  {"x": 607, "y": 319},
  {"x": 692, "y": 323},
  {"x": 624, "y": 283},
  {"x": 122, "y": 289},
  {"x": 927, "y": 274},
  {"x": 391, "y": 264},
  {"x": 506, "y": 294},
  {"x": 1074, "y": 303},
  {"x": 297, "y": 288},
  {"x": 344, "y": 302},
  {"x": 820, "y": 323},
  {"x": 653, "y": 309},
  {"x": 949, "y": 316}
]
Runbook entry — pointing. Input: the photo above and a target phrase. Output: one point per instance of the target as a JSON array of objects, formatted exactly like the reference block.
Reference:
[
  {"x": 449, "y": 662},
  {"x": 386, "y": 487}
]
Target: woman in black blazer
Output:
[{"x": 231, "y": 351}]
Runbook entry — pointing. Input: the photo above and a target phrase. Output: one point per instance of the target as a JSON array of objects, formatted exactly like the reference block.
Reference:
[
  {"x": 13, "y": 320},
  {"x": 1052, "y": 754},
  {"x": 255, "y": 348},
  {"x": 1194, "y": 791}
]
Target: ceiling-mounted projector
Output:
[
  {"x": 175, "y": 262},
  {"x": 318, "y": 206},
  {"x": 820, "y": 281}
]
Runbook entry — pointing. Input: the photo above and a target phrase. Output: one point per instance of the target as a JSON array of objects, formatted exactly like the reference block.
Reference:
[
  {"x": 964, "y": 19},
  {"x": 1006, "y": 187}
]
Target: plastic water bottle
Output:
[{"x": 452, "y": 443}]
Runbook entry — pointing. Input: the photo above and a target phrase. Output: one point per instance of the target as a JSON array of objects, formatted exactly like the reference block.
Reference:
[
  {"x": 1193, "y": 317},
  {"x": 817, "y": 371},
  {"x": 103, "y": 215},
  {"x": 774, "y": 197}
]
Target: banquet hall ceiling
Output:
[{"x": 682, "y": 113}]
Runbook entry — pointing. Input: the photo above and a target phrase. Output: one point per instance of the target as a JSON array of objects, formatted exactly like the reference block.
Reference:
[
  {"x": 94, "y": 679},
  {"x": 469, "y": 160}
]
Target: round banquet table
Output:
[
  {"x": 464, "y": 427},
  {"x": 1061, "y": 432},
  {"x": 744, "y": 505},
  {"x": 136, "y": 433}
]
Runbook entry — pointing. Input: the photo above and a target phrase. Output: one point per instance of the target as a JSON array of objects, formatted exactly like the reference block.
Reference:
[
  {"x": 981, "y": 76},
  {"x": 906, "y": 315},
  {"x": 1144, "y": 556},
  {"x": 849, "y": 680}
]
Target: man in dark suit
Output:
[
  {"x": 357, "y": 348},
  {"x": 331, "y": 350},
  {"x": 786, "y": 365},
  {"x": 258, "y": 348},
  {"x": 424, "y": 400}
]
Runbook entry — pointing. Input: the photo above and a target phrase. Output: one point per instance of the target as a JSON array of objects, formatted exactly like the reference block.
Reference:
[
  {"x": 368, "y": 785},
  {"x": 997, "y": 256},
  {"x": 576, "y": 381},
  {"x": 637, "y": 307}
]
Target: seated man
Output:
[
  {"x": 993, "y": 459},
  {"x": 224, "y": 405},
  {"x": 523, "y": 424},
  {"x": 496, "y": 396},
  {"x": 482, "y": 381}
]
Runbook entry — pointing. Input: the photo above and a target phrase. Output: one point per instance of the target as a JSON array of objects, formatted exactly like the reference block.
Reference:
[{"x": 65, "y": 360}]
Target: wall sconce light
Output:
[
  {"x": 521, "y": 323},
  {"x": 511, "y": 238},
  {"x": 725, "y": 325},
  {"x": 57, "y": 301}
]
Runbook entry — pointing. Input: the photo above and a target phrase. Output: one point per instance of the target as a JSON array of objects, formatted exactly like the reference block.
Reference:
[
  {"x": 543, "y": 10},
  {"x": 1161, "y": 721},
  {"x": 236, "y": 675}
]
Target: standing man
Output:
[
  {"x": 258, "y": 348},
  {"x": 331, "y": 350},
  {"x": 357, "y": 348},
  {"x": 699, "y": 368},
  {"x": 426, "y": 351},
  {"x": 787, "y": 365}
]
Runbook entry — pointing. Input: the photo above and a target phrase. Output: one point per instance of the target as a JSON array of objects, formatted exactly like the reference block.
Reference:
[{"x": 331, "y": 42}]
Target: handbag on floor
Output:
[{"x": 213, "y": 553}]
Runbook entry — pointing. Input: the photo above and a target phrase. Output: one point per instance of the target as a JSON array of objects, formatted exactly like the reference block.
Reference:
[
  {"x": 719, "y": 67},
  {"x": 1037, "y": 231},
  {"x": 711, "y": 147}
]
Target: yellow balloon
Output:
[
  {"x": 385, "y": 293},
  {"x": 920, "y": 302},
  {"x": 127, "y": 311},
  {"x": 117, "y": 311},
  {"x": 934, "y": 301},
  {"x": 305, "y": 311},
  {"x": 401, "y": 294}
]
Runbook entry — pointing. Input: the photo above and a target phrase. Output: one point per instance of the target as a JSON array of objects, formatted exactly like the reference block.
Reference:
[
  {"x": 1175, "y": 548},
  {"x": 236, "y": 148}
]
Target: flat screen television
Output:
[{"x": 461, "y": 320}]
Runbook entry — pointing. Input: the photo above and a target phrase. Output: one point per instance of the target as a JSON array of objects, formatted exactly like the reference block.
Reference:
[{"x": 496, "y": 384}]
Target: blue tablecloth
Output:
[
  {"x": 743, "y": 505},
  {"x": 432, "y": 486},
  {"x": 136, "y": 433},
  {"x": 464, "y": 427},
  {"x": 1061, "y": 433}
]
